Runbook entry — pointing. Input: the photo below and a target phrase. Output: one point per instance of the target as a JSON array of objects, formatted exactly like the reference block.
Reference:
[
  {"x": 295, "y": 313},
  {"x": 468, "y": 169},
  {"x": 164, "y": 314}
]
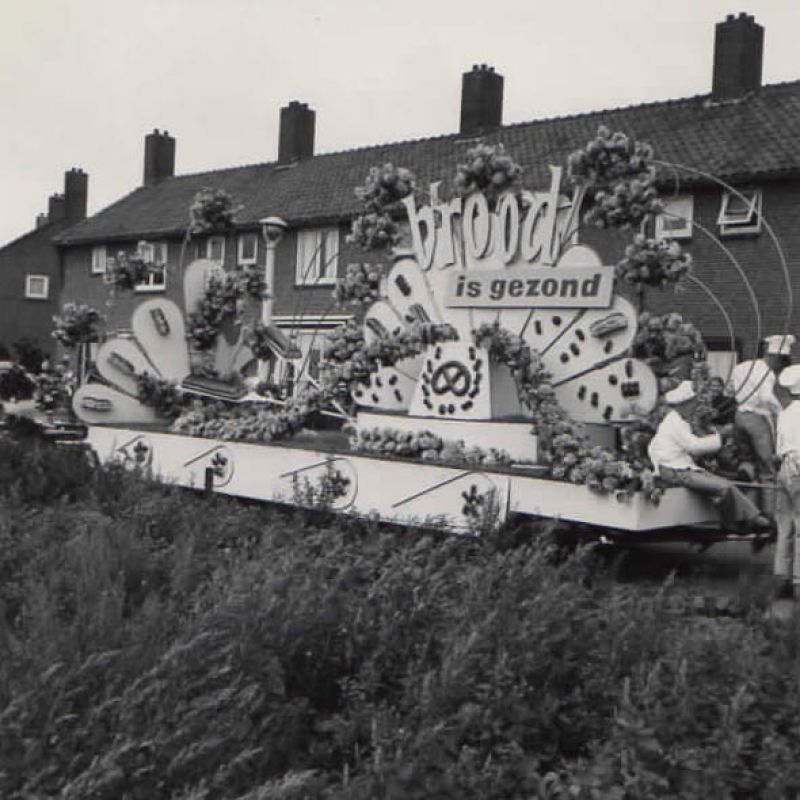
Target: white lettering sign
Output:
[
  {"x": 531, "y": 227},
  {"x": 531, "y": 287}
]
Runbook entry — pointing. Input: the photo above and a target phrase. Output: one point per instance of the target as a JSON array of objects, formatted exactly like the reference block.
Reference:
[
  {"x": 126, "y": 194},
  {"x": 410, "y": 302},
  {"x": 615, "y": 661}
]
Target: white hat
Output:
[
  {"x": 779, "y": 345},
  {"x": 683, "y": 392},
  {"x": 790, "y": 378}
]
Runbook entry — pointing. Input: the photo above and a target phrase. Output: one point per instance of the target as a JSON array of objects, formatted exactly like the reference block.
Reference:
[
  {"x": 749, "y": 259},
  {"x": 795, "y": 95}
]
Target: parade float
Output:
[{"x": 498, "y": 367}]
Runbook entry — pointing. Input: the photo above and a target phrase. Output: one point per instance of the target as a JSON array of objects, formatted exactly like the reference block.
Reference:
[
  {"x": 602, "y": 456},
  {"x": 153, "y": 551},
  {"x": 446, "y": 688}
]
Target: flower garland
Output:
[
  {"x": 253, "y": 423},
  {"x": 488, "y": 169},
  {"x": 381, "y": 195},
  {"x": 620, "y": 177},
  {"x": 653, "y": 262},
  {"x": 562, "y": 442},
  {"x": 223, "y": 300},
  {"x": 211, "y": 210},
  {"x": 426, "y": 446},
  {"x": 77, "y": 324},
  {"x": 357, "y": 359},
  {"x": 359, "y": 288}
]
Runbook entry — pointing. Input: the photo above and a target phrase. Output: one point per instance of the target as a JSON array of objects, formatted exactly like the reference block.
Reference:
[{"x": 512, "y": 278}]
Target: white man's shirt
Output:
[
  {"x": 674, "y": 444},
  {"x": 788, "y": 436},
  {"x": 753, "y": 383}
]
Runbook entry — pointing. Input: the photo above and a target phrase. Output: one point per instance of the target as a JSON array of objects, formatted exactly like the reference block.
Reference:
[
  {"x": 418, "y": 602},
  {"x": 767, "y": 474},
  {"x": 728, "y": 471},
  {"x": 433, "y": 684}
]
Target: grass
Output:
[{"x": 155, "y": 644}]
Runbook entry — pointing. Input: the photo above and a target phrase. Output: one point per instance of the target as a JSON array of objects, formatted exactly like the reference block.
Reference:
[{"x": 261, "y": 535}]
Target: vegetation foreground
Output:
[{"x": 156, "y": 644}]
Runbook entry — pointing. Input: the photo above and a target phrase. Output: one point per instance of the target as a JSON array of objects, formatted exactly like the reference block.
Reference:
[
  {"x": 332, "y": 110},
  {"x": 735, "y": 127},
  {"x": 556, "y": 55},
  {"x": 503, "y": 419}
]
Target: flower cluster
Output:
[
  {"x": 211, "y": 210},
  {"x": 360, "y": 286},
  {"x": 382, "y": 193},
  {"x": 488, "y": 169},
  {"x": 54, "y": 388},
  {"x": 386, "y": 186},
  {"x": 669, "y": 345},
  {"x": 653, "y": 262},
  {"x": 425, "y": 446},
  {"x": 128, "y": 271},
  {"x": 345, "y": 342},
  {"x": 76, "y": 324},
  {"x": 620, "y": 174},
  {"x": 161, "y": 395},
  {"x": 223, "y": 300},
  {"x": 599, "y": 469}
]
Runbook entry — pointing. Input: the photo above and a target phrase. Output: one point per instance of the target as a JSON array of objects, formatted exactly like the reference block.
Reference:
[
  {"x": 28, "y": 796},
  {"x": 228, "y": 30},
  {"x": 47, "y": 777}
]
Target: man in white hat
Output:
[
  {"x": 787, "y": 547},
  {"x": 753, "y": 384},
  {"x": 672, "y": 452}
]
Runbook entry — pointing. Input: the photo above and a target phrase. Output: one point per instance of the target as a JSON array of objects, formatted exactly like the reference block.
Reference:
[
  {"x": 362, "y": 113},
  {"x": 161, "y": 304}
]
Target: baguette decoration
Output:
[{"x": 613, "y": 323}]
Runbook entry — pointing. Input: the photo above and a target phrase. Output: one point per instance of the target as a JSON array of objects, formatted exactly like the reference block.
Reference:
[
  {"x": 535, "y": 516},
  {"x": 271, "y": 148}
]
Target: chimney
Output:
[
  {"x": 76, "y": 186},
  {"x": 738, "y": 56},
  {"x": 296, "y": 140},
  {"x": 41, "y": 220},
  {"x": 55, "y": 208},
  {"x": 481, "y": 100},
  {"x": 159, "y": 157}
]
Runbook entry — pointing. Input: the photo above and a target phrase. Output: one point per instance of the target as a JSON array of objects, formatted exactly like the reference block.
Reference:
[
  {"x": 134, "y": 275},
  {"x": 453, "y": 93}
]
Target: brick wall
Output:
[
  {"x": 757, "y": 256},
  {"x": 21, "y": 317}
]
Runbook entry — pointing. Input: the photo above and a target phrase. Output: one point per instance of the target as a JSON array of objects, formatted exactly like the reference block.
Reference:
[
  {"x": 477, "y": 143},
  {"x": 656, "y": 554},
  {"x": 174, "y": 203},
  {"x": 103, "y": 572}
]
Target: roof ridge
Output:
[{"x": 457, "y": 135}]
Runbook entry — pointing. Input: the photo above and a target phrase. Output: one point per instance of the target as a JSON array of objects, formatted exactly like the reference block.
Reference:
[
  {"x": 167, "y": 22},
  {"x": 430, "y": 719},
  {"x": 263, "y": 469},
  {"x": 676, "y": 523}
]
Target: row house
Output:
[{"x": 741, "y": 225}]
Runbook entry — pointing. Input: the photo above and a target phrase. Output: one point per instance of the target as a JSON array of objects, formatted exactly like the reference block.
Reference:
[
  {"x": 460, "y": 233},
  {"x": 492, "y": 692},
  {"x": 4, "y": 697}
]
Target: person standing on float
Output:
[
  {"x": 672, "y": 451},
  {"x": 787, "y": 548},
  {"x": 753, "y": 384}
]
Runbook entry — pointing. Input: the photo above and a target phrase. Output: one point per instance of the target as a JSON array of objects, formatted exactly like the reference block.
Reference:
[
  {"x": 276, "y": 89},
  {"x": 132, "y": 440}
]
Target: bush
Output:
[{"x": 163, "y": 645}]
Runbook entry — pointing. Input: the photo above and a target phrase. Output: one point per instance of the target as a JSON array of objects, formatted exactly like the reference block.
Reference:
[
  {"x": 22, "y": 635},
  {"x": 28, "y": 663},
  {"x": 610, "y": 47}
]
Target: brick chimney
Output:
[
  {"x": 159, "y": 157},
  {"x": 76, "y": 187},
  {"x": 55, "y": 208},
  {"x": 296, "y": 140},
  {"x": 41, "y": 220},
  {"x": 738, "y": 57},
  {"x": 481, "y": 100}
]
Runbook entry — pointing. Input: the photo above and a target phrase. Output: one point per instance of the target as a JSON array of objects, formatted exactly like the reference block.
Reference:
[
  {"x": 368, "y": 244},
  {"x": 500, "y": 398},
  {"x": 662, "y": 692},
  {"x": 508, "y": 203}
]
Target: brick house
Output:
[
  {"x": 741, "y": 132},
  {"x": 30, "y": 268}
]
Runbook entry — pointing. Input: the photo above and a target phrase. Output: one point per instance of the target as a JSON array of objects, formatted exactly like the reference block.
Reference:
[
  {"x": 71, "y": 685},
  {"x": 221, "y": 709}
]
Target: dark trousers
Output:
[
  {"x": 733, "y": 505},
  {"x": 756, "y": 431}
]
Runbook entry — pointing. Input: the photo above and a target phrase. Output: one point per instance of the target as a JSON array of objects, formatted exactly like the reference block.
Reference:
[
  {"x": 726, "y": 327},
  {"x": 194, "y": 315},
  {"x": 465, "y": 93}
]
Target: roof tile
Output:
[{"x": 756, "y": 136}]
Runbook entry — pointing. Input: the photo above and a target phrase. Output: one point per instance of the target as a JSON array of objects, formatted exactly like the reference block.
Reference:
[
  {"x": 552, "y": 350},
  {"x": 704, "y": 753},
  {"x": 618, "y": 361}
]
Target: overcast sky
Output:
[{"x": 83, "y": 81}]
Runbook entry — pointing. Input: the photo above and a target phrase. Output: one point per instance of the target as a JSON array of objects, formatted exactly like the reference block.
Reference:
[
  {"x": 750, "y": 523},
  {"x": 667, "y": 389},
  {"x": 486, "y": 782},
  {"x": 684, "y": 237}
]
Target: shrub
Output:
[{"x": 158, "y": 644}]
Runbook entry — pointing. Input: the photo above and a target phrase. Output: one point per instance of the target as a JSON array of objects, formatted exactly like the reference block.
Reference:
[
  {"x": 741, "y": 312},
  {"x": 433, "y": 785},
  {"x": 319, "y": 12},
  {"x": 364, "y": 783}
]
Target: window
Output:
[
  {"x": 212, "y": 248},
  {"x": 216, "y": 249},
  {"x": 248, "y": 248},
  {"x": 719, "y": 356},
  {"x": 317, "y": 256},
  {"x": 155, "y": 255},
  {"x": 740, "y": 213},
  {"x": 676, "y": 221},
  {"x": 37, "y": 287},
  {"x": 99, "y": 260}
]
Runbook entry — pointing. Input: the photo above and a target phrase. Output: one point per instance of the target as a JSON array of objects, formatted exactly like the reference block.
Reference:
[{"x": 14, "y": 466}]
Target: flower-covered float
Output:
[{"x": 494, "y": 368}]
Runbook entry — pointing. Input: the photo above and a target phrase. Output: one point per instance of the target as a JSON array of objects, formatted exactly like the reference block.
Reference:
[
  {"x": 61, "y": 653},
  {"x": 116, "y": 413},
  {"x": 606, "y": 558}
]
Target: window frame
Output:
[
  {"x": 673, "y": 207},
  {"x": 322, "y": 241},
  {"x": 29, "y": 293},
  {"x": 160, "y": 259},
  {"x": 747, "y": 222},
  {"x": 240, "y": 258},
  {"x": 221, "y": 240},
  {"x": 99, "y": 253}
]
